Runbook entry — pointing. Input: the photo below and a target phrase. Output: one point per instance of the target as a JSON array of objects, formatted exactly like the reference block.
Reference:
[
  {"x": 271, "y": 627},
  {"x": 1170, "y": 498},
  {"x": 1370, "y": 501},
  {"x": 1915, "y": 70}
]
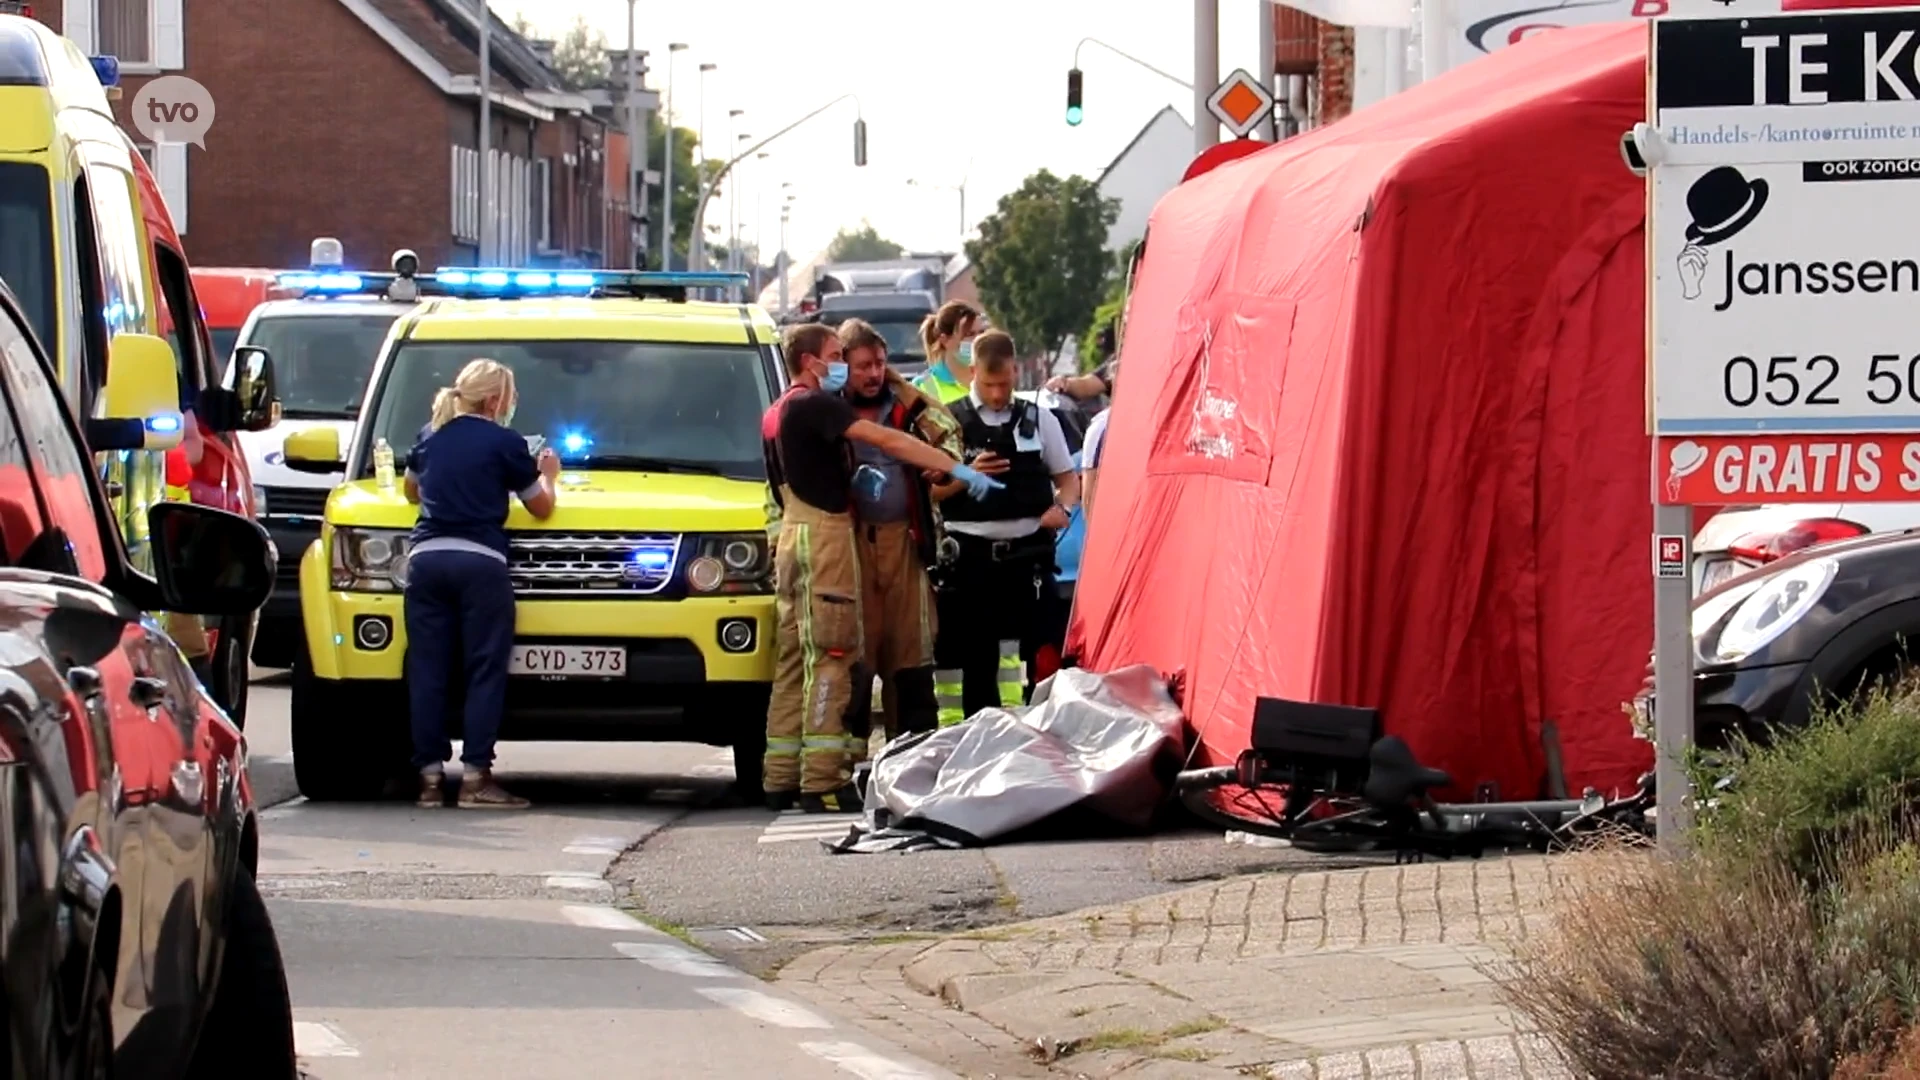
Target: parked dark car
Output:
[
  {"x": 133, "y": 941},
  {"x": 1774, "y": 645}
]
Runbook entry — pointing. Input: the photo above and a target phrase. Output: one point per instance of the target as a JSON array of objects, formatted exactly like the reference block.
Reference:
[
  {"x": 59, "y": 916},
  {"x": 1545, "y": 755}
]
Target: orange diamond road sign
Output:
[{"x": 1241, "y": 103}]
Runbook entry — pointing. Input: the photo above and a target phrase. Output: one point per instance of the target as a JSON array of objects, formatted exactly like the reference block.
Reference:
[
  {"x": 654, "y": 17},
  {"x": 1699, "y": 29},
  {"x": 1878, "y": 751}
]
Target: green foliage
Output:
[
  {"x": 864, "y": 244},
  {"x": 1041, "y": 260},
  {"x": 1107, "y": 314},
  {"x": 579, "y": 56},
  {"x": 1811, "y": 792}
]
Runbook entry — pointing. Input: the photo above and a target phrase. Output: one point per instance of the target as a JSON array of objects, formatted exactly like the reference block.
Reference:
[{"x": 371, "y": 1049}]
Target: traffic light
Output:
[
  {"x": 860, "y": 142},
  {"x": 1073, "y": 97}
]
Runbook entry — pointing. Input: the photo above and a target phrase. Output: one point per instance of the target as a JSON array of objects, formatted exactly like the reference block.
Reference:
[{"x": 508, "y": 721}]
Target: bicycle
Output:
[{"x": 1347, "y": 789}]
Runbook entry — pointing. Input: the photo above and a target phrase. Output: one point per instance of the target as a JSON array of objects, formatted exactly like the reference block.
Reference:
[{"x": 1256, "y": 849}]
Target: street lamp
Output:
[
  {"x": 733, "y": 215},
  {"x": 666, "y": 197},
  {"x": 712, "y": 184},
  {"x": 759, "y": 223},
  {"x": 705, "y": 69},
  {"x": 733, "y": 193}
]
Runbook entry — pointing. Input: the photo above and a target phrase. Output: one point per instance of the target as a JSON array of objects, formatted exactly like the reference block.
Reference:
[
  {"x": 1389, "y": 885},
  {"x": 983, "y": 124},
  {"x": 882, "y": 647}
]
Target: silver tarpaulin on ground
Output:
[{"x": 1097, "y": 742}]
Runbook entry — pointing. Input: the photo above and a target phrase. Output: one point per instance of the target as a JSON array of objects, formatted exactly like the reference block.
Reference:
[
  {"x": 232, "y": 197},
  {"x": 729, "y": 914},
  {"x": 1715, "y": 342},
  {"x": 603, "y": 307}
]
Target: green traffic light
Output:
[{"x": 1073, "y": 114}]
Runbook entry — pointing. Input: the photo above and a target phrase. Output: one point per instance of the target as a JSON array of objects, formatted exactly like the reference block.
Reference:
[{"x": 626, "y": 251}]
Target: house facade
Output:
[{"x": 366, "y": 129}]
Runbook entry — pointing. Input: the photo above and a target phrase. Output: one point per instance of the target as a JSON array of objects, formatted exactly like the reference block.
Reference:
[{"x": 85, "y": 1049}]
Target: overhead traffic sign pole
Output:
[
  {"x": 1783, "y": 153},
  {"x": 1241, "y": 103}
]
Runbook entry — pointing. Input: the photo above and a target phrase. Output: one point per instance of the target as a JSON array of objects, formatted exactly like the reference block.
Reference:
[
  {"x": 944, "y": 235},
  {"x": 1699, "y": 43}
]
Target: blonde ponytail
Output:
[{"x": 479, "y": 382}]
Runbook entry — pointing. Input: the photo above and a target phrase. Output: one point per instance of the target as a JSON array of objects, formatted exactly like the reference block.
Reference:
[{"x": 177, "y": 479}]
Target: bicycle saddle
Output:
[{"x": 1395, "y": 775}]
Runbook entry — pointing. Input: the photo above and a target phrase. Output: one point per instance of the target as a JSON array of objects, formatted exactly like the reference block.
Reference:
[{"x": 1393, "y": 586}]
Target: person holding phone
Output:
[{"x": 462, "y": 472}]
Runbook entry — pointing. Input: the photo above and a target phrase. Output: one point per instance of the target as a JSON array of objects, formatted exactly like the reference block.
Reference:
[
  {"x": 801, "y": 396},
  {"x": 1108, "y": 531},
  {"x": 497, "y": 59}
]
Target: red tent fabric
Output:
[{"x": 1382, "y": 436}]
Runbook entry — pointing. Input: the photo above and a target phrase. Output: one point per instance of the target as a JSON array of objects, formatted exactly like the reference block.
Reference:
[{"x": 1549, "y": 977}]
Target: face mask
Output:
[
  {"x": 966, "y": 353},
  {"x": 836, "y": 377},
  {"x": 506, "y": 418}
]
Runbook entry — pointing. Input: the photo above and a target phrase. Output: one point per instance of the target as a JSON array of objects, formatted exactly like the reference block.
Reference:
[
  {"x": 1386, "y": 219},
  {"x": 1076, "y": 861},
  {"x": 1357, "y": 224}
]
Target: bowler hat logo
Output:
[{"x": 1722, "y": 202}]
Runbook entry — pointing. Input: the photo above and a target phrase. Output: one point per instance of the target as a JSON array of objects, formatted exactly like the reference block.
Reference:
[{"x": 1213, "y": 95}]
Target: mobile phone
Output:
[{"x": 535, "y": 444}]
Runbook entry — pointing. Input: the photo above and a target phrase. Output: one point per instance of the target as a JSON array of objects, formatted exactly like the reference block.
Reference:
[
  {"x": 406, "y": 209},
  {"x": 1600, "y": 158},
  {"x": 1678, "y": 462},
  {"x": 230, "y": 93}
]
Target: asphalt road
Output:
[{"x": 426, "y": 943}]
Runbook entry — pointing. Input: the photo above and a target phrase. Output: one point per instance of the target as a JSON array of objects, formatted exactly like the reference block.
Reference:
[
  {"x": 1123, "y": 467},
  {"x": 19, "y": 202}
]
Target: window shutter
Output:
[
  {"x": 80, "y": 20},
  {"x": 170, "y": 171},
  {"x": 169, "y": 35}
]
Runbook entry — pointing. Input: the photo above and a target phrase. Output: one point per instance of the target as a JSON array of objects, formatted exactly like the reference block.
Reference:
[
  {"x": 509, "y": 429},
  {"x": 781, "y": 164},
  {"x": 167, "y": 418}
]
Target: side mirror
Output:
[
  {"x": 143, "y": 385},
  {"x": 252, "y": 382},
  {"x": 207, "y": 561},
  {"x": 315, "y": 450}
]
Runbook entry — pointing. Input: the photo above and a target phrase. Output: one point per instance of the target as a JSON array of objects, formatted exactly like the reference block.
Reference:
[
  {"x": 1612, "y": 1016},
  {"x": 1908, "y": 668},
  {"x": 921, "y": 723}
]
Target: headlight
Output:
[
  {"x": 1779, "y": 601},
  {"x": 730, "y": 563},
  {"x": 1709, "y": 614},
  {"x": 370, "y": 560},
  {"x": 259, "y": 501}
]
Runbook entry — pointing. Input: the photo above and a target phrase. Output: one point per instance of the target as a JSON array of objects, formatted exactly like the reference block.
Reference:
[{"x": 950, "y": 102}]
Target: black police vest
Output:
[{"x": 1029, "y": 490}]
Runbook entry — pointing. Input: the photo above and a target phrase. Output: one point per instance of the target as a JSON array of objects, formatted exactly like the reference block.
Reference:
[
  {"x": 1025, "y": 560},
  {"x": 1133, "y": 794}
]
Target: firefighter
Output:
[
  {"x": 948, "y": 336},
  {"x": 898, "y": 532},
  {"x": 819, "y": 649},
  {"x": 468, "y": 463},
  {"x": 990, "y": 607}
]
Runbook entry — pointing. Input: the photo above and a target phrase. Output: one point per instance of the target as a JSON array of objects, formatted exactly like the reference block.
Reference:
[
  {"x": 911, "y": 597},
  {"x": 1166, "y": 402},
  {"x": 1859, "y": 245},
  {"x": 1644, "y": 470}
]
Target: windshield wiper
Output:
[{"x": 643, "y": 463}]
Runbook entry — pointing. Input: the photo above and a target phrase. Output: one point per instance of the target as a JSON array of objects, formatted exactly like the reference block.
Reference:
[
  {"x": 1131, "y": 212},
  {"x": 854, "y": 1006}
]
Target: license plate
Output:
[
  {"x": 569, "y": 661},
  {"x": 1720, "y": 571}
]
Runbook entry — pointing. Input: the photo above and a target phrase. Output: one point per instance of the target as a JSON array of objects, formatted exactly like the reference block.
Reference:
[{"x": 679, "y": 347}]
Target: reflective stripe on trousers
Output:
[{"x": 1013, "y": 683}]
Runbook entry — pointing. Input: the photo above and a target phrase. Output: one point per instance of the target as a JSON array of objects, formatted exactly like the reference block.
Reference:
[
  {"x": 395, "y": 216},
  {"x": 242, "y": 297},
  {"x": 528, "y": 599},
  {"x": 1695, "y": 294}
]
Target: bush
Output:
[
  {"x": 1786, "y": 946},
  {"x": 1812, "y": 791}
]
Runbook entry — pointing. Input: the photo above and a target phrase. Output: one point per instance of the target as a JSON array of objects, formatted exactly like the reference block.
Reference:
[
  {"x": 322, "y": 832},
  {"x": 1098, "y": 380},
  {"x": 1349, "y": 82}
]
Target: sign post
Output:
[{"x": 1784, "y": 266}]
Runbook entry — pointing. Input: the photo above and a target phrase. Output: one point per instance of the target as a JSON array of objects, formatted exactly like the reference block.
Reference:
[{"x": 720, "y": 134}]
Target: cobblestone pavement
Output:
[{"x": 1378, "y": 973}]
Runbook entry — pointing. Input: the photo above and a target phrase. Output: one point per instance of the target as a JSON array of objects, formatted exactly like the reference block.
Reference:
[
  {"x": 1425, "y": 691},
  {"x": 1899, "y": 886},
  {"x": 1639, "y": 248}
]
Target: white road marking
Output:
[
  {"x": 792, "y": 825},
  {"x": 320, "y": 1040},
  {"x": 604, "y": 918},
  {"x": 576, "y": 881},
  {"x": 765, "y": 1007},
  {"x": 675, "y": 960},
  {"x": 863, "y": 1062},
  {"x": 595, "y": 845}
]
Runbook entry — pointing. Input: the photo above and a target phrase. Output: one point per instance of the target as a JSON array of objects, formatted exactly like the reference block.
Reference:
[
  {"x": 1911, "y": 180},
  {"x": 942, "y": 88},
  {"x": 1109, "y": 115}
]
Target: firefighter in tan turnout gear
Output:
[
  {"x": 898, "y": 531},
  {"x": 819, "y": 647}
]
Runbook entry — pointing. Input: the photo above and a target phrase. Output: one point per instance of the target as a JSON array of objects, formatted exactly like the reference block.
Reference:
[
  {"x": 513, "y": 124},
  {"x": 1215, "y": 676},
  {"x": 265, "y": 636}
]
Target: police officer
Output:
[
  {"x": 899, "y": 531},
  {"x": 464, "y": 469},
  {"x": 820, "y": 652},
  {"x": 1006, "y": 559}
]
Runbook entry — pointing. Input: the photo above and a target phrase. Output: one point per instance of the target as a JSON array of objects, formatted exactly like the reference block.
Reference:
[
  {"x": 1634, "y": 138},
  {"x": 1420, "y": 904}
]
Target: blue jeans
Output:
[{"x": 459, "y": 612}]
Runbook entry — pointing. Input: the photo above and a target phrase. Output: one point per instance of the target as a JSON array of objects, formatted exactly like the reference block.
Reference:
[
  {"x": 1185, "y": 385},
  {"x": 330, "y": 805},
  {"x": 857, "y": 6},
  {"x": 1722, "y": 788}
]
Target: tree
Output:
[
  {"x": 864, "y": 244},
  {"x": 1041, "y": 261},
  {"x": 1107, "y": 315},
  {"x": 579, "y": 56}
]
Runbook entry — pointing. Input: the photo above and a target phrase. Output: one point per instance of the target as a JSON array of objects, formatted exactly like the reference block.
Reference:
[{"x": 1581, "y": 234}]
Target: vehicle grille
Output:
[
  {"x": 296, "y": 502},
  {"x": 592, "y": 564}
]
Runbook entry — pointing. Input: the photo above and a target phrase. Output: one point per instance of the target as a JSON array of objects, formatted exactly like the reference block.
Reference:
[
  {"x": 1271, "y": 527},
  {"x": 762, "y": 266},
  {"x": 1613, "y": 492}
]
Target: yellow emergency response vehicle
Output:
[{"x": 645, "y": 603}]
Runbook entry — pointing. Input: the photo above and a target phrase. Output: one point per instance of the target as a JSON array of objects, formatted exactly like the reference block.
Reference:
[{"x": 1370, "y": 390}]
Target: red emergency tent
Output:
[{"x": 1381, "y": 438}]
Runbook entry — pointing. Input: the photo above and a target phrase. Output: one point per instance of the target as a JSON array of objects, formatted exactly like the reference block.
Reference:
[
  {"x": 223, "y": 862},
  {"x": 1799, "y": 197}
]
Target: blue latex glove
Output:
[{"x": 978, "y": 483}]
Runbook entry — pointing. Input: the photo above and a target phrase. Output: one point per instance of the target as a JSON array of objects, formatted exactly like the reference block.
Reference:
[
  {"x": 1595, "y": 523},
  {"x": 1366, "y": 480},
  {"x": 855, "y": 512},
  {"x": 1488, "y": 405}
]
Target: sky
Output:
[{"x": 951, "y": 93}]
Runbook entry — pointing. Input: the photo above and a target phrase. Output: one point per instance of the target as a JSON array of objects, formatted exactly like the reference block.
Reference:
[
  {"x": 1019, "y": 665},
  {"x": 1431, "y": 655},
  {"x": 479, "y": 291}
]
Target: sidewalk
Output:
[{"x": 1376, "y": 973}]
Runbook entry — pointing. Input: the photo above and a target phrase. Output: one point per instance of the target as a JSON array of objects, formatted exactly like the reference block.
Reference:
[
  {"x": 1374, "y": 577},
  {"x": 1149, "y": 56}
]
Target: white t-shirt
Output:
[
  {"x": 1096, "y": 439},
  {"x": 1053, "y": 451}
]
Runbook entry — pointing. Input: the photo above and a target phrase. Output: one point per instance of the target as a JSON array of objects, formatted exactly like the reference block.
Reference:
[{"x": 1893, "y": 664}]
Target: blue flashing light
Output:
[
  {"x": 453, "y": 278},
  {"x": 573, "y": 442},
  {"x": 523, "y": 282},
  {"x": 653, "y": 558},
  {"x": 163, "y": 424},
  {"x": 107, "y": 68},
  {"x": 533, "y": 279},
  {"x": 320, "y": 281},
  {"x": 574, "y": 281}
]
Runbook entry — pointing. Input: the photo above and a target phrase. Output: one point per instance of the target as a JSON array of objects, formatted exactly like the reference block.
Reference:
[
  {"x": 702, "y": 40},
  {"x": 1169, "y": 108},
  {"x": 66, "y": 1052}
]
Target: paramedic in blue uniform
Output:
[{"x": 466, "y": 466}]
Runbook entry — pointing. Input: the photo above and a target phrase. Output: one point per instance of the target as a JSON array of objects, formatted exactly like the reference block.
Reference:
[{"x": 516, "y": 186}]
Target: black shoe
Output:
[
  {"x": 781, "y": 801},
  {"x": 844, "y": 800}
]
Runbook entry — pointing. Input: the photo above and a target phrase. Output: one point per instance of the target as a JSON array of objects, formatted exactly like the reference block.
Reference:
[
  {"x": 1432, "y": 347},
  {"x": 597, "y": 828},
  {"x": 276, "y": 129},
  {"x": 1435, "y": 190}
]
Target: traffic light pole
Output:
[
  {"x": 697, "y": 248},
  {"x": 1206, "y": 73},
  {"x": 1086, "y": 41}
]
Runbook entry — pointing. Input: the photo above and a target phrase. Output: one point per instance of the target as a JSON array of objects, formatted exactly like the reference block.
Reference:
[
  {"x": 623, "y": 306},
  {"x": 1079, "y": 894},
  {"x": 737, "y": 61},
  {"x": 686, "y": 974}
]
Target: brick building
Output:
[
  {"x": 359, "y": 119},
  {"x": 1320, "y": 55}
]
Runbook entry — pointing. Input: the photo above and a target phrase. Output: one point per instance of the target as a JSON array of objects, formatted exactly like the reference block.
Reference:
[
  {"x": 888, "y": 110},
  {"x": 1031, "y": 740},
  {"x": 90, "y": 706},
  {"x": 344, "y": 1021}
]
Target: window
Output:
[
  {"x": 20, "y": 521},
  {"x": 543, "y": 204},
  {"x": 466, "y": 194},
  {"x": 49, "y": 441},
  {"x": 116, "y": 228},
  {"x": 26, "y": 258},
  {"x": 125, "y": 30},
  {"x": 186, "y": 332}
]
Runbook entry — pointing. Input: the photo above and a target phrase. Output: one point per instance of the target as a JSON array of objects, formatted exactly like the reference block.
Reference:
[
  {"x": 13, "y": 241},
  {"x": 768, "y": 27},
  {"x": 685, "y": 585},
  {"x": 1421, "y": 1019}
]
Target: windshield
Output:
[
  {"x": 602, "y": 404},
  {"x": 26, "y": 245},
  {"x": 320, "y": 362},
  {"x": 900, "y": 328}
]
